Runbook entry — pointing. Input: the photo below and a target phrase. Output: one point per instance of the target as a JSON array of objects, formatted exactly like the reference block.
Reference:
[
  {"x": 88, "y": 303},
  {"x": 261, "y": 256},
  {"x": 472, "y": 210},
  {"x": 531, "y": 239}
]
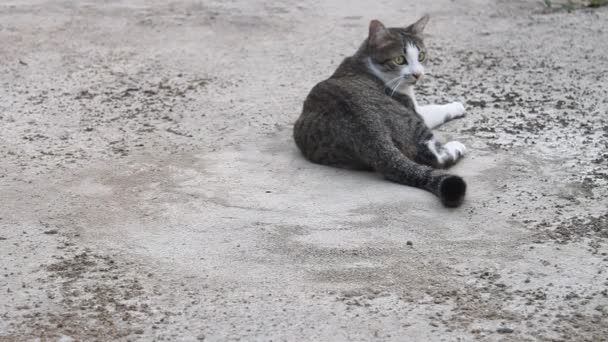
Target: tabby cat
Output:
[{"x": 365, "y": 116}]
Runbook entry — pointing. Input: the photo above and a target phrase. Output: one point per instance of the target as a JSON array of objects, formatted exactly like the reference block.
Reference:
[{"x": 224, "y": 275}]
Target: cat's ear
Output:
[
  {"x": 378, "y": 34},
  {"x": 417, "y": 27}
]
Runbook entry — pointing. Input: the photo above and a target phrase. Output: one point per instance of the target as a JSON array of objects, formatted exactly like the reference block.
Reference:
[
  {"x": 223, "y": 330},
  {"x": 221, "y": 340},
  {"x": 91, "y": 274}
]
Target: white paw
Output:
[
  {"x": 455, "y": 149},
  {"x": 455, "y": 110}
]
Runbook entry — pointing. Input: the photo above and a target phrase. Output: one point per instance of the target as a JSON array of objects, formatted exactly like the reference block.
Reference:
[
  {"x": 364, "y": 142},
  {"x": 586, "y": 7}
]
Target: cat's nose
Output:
[{"x": 417, "y": 75}]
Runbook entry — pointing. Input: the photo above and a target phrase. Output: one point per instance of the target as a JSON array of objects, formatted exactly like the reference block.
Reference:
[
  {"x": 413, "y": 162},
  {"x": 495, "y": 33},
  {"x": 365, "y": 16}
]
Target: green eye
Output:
[
  {"x": 421, "y": 56},
  {"x": 400, "y": 60}
]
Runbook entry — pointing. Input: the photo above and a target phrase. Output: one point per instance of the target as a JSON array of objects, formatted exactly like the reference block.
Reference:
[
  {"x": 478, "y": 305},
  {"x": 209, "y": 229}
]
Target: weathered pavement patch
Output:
[{"x": 151, "y": 190}]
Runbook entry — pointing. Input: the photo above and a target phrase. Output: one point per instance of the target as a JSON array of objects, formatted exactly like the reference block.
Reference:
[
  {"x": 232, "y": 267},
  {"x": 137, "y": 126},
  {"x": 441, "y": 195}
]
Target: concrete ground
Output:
[{"x": 151, "y": 190}]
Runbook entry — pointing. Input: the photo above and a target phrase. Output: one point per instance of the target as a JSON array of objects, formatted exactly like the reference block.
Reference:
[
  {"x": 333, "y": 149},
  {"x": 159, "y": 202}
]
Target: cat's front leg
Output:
[{"x": 436, "y": 115}]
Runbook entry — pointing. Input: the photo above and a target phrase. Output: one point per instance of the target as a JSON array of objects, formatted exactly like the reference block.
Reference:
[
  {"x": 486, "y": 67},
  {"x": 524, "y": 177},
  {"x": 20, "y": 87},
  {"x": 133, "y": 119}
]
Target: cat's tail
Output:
[
  {"x": 396, "y": 167},
  {"x": 449, "y": 188}
]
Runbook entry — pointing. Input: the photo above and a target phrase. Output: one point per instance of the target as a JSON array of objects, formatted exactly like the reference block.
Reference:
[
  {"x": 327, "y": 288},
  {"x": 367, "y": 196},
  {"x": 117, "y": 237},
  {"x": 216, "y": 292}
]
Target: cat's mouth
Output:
[
  {"x": 412, "y": 79},
  {"x": 415, "y": 77}
]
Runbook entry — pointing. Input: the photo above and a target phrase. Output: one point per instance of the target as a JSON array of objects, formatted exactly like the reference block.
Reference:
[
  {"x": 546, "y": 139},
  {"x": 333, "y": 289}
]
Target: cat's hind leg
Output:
[
  {"x": 431, "y": 152},
  {"x": 389, "y": 161},
  {"x": 437, "y": 115}
]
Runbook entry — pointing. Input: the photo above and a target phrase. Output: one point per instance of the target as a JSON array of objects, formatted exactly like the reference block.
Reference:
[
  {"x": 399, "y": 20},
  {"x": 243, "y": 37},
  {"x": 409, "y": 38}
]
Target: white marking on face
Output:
[
  {"x": 406, "y": 71},
  {"x": 413, "y": 65}
]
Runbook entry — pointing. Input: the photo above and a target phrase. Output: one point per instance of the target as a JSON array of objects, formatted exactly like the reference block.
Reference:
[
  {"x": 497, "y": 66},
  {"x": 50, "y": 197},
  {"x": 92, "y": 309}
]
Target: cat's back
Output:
[
  {"x": 331, "y": 92},
  {"x": 343, "y": 96},
  {"x": 338, "y": 112},
  {"x": 322, "y": 131}
]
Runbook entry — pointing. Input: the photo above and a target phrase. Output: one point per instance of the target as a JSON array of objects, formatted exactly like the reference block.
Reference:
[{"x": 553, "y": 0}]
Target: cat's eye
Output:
[
  {"x": 400, "y": 60},
  {"x": 421, "y": 56}
]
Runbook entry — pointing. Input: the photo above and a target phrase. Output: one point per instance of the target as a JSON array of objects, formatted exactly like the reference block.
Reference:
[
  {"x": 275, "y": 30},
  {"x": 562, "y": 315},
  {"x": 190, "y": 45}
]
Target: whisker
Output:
[
  {"x": 397, "y": 86},
  {"x": 393, "y": 80},
  {"x": 396, "y": 79}
]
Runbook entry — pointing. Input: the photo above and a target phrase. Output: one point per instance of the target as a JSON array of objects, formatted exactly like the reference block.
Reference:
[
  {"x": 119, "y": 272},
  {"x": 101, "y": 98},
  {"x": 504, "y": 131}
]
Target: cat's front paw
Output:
[{"x": 455, "y": 110}]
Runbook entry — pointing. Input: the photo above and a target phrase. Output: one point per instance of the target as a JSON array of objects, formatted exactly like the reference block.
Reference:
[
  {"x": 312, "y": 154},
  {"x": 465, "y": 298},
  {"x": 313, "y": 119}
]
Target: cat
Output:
[{"x": 366, "y": 117}]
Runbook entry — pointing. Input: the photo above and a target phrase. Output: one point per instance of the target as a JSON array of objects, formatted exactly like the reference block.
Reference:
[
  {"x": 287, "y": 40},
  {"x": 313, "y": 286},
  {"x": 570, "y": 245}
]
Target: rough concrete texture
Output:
[{"x": 151, "y": 189}]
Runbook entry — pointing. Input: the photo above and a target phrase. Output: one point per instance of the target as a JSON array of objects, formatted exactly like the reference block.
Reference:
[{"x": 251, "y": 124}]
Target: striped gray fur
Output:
[{"x": 357, "y": 120}]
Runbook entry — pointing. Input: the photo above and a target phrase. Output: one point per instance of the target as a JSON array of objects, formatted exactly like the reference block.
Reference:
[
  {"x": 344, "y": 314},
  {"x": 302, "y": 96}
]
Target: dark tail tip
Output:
[{"x": 452, "y": 190}]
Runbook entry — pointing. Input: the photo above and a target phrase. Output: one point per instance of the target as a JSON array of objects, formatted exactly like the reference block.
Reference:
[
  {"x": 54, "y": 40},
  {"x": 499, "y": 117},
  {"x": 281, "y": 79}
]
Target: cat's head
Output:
[{"x": 397, "y": 54}]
